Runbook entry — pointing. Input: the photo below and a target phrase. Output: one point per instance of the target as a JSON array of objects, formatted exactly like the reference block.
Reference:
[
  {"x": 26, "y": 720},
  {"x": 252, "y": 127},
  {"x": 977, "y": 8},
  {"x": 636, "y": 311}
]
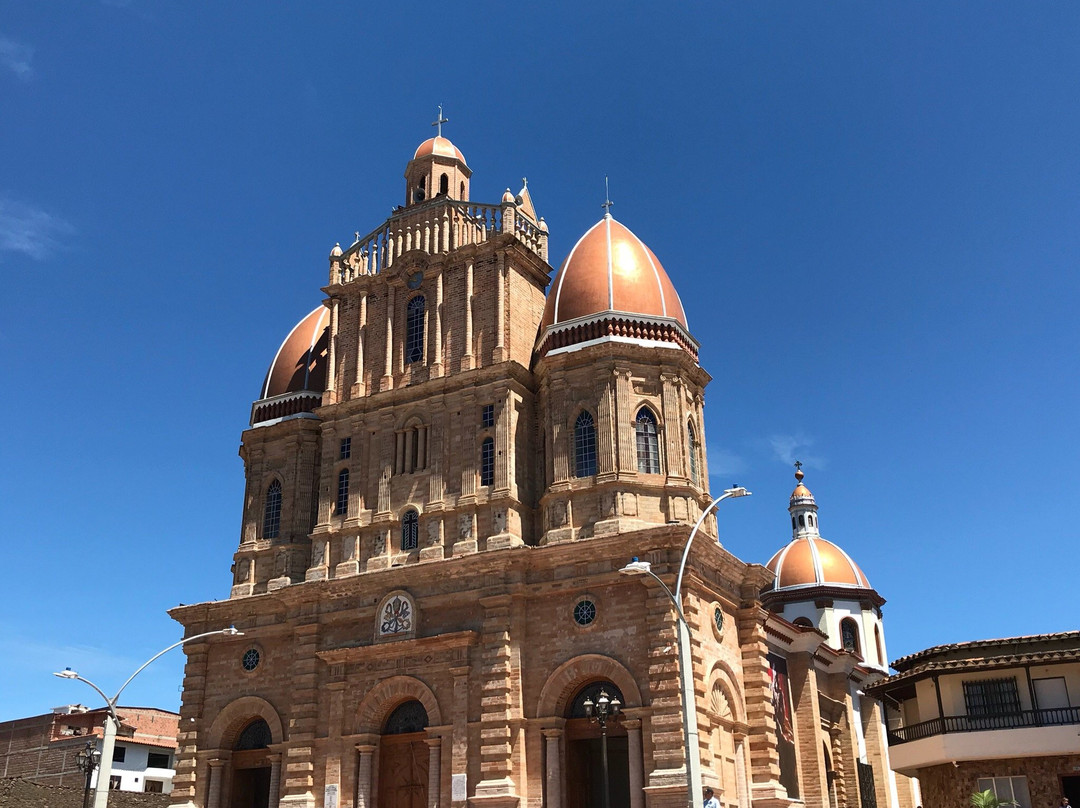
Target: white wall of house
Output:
[{"x": 134, "y": 770}]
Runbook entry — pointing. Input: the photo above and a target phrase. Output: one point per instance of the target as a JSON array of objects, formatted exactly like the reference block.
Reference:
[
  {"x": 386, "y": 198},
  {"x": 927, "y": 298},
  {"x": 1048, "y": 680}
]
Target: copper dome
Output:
[
  {"x": 611, "y": 270},
  {"x": 812, "y": 561},
  {"x": 440, "y": 147},
  {"x": 300, "y": 363}
]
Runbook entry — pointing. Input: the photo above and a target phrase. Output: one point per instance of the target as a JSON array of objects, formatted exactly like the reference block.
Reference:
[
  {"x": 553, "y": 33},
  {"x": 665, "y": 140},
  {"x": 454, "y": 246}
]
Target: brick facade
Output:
[{"x": 459, "y": 431}]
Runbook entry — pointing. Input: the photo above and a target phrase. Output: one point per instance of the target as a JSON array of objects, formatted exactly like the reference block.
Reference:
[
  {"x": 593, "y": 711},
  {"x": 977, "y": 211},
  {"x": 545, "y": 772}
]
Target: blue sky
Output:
[{"x": 870, "y": 211}]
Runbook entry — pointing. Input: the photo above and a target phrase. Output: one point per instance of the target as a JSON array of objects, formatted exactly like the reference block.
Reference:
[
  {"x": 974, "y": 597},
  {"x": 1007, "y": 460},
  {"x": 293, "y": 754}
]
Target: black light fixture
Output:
[
  {"x": 87, "y": 760},
  {"x": 601, "y": 711}
]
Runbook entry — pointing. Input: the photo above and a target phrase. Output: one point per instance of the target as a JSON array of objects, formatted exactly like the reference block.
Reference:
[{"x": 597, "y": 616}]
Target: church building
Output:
[{"x": 451, "y": 459}]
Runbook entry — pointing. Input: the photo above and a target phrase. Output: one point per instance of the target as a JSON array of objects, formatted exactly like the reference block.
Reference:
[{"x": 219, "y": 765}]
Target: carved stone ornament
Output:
[{"x": 396, "y": 616}]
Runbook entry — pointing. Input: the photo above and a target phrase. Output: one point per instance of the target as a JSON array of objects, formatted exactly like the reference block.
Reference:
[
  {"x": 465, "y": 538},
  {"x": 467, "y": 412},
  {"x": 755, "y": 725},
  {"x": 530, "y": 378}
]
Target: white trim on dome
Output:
[
  {"x": 566, "y": 266},
  {"x": 611, "y": 269},
  {"x": 780, "y": 563},
  {"x": 284, "y": 342},
  {"x": 854, "y": 567},
  {"x": 819, "y": 571}
]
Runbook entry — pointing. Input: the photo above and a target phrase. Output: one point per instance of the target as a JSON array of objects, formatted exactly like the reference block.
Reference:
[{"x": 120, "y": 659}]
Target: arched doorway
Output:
[
  {"x": 251, "y": 767},
  {"x": 403, "y": 758},
  {"x": 585, "y": 751}
]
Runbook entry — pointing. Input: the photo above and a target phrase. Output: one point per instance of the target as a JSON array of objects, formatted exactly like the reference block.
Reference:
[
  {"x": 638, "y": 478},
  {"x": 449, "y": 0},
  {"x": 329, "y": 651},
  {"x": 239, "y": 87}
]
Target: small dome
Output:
[
  {"x": 801, "y": 492},
  {"x": 508, "y": 196},
  {"x": 336, "y": 251},
  {"x": 300, "y": 363},
  {"x": 440, "y": 147},
  {"x": 611, "y": 269},
  {"x": 813, "y": 561}
]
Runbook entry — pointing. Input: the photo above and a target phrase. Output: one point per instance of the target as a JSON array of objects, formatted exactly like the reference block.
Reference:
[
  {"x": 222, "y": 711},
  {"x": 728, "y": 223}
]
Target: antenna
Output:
[{"x": 607, "y": 199}]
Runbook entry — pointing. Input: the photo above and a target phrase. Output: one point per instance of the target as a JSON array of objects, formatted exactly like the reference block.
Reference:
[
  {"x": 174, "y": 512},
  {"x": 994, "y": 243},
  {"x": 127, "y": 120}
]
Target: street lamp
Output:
[
  {"x": 600, "y": 712},
  {"x": 87, "y": 760},
  {"x": 686, "y": 675},
  {"x": 112, "y": 723}
]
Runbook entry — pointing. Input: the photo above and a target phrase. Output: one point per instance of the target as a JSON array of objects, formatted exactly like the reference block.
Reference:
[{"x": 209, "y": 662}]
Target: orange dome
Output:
[
  {"x": 611, "y": 269},
  {"x": 813, "y": 561},
  {"x": 300, "y": 363},
  {"x": 440, "y": 147}
]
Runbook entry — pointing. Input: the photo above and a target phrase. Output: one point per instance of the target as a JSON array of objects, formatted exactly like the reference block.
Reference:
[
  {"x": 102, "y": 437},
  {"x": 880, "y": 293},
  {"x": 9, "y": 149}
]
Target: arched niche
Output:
[
  {"x": 230, "y": 722},
  {"x": 566, "y": 680},
  {"x": 387, "y": 696}
]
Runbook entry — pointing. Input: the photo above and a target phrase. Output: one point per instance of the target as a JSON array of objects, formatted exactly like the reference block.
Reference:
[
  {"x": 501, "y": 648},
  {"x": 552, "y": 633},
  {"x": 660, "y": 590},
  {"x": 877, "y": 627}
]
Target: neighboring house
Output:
[
  {"x": 1002, "y": 715},
  {"x": 42, "y": 748}
]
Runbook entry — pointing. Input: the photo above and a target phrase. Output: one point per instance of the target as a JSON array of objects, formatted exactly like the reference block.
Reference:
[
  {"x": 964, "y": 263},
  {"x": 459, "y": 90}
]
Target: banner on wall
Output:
[{"x": 785, "y": 730}]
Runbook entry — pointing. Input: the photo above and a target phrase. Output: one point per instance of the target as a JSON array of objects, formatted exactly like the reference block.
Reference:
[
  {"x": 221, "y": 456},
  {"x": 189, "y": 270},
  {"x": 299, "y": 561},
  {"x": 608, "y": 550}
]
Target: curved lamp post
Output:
[
  {"x": 686, "y": 675},
  {"x": 112, "y": 723}
]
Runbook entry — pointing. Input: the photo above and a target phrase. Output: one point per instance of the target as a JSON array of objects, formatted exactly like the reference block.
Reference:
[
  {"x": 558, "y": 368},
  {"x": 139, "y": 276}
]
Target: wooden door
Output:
[{"x": 403, "y": 771}]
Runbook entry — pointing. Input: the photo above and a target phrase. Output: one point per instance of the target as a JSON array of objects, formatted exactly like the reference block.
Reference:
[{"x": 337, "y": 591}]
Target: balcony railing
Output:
[{"x": 1055, "y": 716}]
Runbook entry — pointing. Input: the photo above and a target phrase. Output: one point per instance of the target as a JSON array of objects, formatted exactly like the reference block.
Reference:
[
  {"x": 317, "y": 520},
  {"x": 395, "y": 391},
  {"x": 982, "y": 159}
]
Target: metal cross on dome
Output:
[
  {"x": 607, "y": 198},
  {"x": 439, "y": 122}
]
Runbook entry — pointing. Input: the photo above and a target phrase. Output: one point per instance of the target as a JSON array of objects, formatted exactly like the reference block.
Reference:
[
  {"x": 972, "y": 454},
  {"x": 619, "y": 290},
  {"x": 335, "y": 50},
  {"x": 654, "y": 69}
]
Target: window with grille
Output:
[
  {"x": 272, "y": 511},
  {"x": 410, "y": 530},
  {"x": 691, "y": 440},
  {"x": 487, "y": 462},
  {"x": 648, "y": 443},
  {"x": 414, "y": 330},
  {"x": 992, "y": 697},
  {"x": 487, "y": 416},
  {"x": 342, "y": 504},
  {"x": 584, "y": 445},
  {"x": 346, "y": 449},
  {"x": 849, "y": 635}
]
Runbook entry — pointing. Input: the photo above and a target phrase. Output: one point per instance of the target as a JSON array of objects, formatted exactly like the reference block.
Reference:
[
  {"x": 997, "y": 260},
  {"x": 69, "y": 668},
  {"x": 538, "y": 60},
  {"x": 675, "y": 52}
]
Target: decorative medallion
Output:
[
  {"x": 415, "y": 280},
  {"x": 250, "y": 660},
  {"x": 397, "y": 616},
  {"x": 718, "y": 619}
]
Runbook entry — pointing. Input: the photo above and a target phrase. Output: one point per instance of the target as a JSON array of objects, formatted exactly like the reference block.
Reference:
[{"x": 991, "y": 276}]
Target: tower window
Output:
[
  {"x": 444, "y": 184},
  {"x": 849, "y": 635},
  {"x": 342, "y": 505},
  {"x": 584, "y": 445},
  {"x": 272, "y": 511},
  {"x": 414, "y": 330},
  {"x": 487, "y": 415},
  {"x": 410, "y": 530},
  {"x": 648, "y": 444},
  {"x": 346, "y": 449},
  {"x": 691, "y": 440},
  {"x": 487, "y": 462},
  {"x": 802, "y": 520}
]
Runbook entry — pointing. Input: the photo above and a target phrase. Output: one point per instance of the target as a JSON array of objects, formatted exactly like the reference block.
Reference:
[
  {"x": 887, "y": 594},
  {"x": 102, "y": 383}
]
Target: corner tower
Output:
[
  {"x": 818, "y": 585},
  {"x": 397, "y": 421},
  {"x": 621, "y": 392}
]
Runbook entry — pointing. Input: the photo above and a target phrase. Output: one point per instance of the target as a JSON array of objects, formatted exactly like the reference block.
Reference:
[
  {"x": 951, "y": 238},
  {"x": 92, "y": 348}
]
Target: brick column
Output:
[
  {"x": 459, "y": 747},
  {"x": 387, "y": 381},
  {"x": 299, "y": 759},
  {"x": 216, "y": 771},
  {"x": 437, "y": 357},
  {"x": 553, "y": 780},
  {"x": 761, "y": 740},
  {"x": 499, "y": 353},
  {"x": 275, "y": 779},
  {"x": 363, "y": 776},
  {"x": 496, "y": 735},
  {"x": 802, "y": 677},
  {"x": 467, "y": 359},
  {"x": 637, "y": 762},
  {"x": 434, "y": 775},
  {"x": 361, "y": 329}
]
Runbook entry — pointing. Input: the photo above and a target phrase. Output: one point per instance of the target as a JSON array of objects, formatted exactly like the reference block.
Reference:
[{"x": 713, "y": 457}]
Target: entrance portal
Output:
[
  {"x": 251, "y": 767},
  {"x": 403, "y": 758},
  {"x": 251, "y": 788},
  {"x": 585, "y": 754}
]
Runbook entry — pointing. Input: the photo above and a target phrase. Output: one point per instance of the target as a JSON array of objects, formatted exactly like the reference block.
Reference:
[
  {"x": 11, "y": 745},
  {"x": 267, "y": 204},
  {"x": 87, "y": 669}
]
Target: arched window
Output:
[
  {"x": 407, "y": 718},
  {"x": 648, "y": 444},
  {"x": 584, "y": 445},
  {"x": 414, "y": 330},
  {"x": 256, "y": 735},
  {"x": 691, "y": 440},
  {"x": 880, "y": 645},
  {"x": 805, "y": 622},
  {"x": 802, "y": 520},
  {"x": 342, "y": 505},
  {"x": 849, "y": 635},
  {"x": 487, "y": 462},
  {"x": 272, "y": 511},
  {"x": 444, "y": 184},
  {"x": 410, "y": 530}
]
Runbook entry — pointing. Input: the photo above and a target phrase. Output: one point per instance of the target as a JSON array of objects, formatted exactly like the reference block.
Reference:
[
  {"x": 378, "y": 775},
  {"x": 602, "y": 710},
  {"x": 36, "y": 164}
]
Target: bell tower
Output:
[{"x": 437, "y": 170}]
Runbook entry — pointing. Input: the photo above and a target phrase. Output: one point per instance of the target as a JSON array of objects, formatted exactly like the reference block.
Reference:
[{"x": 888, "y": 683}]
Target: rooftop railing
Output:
[{"x": 1055, "y": 716}]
